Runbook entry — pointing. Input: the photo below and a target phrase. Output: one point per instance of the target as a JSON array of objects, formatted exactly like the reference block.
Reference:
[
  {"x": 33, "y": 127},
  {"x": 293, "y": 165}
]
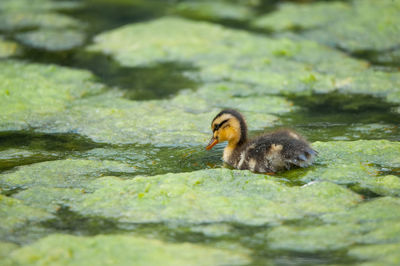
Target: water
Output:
[{"x": 325, "y": 117}]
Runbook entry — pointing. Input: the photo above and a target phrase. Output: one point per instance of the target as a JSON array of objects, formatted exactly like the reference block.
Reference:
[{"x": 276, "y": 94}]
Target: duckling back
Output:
[{"x": 274, "y": 152}]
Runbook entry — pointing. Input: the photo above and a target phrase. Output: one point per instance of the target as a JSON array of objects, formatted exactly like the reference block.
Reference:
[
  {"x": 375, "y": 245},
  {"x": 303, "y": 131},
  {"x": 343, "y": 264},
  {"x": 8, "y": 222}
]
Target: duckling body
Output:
[{"x": 273, "y": 152}]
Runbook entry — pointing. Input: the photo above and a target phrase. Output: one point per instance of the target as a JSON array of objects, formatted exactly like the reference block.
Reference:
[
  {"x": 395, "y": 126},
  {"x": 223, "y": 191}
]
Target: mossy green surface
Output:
[
  {"x": 52, "y": 40},
  {"x": 270, "y": 65},
  {"x": 8, "y": 48},
  {"x": 387, "y": 254},
  {"x": 5, "y": 250},
  {"x": 15, "y": 214},
  {"x": 30, "y": 93},
  {"x": 359, "y": 25},
  {"x": 292, "y": 16},
  {"x": 62, "y": 173},
  {"x": 371, "y": 222},
  {"x": 174, "y": 122},
  {"x": 210, "y": 196},
  {"x": 56, "y": 100},
  {"x": 356, "y": 163},
  {"x": 37, "y": 5},
  {"x": 22, "y": 20},
  {"x": 121, "y": 250},
  {"x": 40, "y": 26},
  {"x": 213, "y": 11}
]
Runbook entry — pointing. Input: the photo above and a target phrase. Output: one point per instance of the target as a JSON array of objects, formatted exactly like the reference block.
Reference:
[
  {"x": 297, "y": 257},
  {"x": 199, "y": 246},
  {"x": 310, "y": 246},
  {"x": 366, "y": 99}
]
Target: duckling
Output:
[{"x": 273, "y": 152}]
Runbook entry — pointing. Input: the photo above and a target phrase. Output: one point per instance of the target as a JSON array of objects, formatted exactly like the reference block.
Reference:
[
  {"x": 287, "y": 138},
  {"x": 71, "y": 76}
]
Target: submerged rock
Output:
[{"x": 122, "y": 250}]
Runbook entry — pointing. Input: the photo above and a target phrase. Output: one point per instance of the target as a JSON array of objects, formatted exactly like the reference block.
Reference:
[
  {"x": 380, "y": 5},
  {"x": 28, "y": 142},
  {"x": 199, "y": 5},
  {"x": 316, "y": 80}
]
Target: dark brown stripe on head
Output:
[{"x": 239, "y": 117}]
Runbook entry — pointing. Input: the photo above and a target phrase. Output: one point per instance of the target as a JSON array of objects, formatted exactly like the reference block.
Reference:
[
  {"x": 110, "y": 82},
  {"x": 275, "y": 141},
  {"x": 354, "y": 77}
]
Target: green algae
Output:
[
  {"x": 387, "y": 185},
  {"x": 17, "y": 21},
  {"x": 373, "y": 222},
  {"x": 14, "y": 215},
  {"x": 42, "y": 26},
  {"x": 31, "y": 92},
  {"x": 210, "y": 196},
  {"x": 100, "y": 117},
  {"x": 49, "y": 199},
  {"x": 270, "y": 66},
  {"x": 122, "y": 250},
  {"x": 387, "y": 254},
  {"x": 52, "y": 39},
  {"x": 213, "y": 11},
  {"x": 10, "y": 158},
  {"x": 53, "y": 102},
  {"x": 355, "y": 163},
  {"x": 8, "y": 48},
  {"x": 5, "y": 250},
  {"x": 291, "y": 16},
  {"x": 67, "y": 173},
  {"x": 355, "y": 26},
  {"x": 38, "y": 5}
]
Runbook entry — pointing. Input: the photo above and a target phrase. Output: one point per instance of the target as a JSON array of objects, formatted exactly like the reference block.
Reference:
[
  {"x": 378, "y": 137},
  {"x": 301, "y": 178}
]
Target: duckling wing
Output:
[{"x": 279, "y": 151}]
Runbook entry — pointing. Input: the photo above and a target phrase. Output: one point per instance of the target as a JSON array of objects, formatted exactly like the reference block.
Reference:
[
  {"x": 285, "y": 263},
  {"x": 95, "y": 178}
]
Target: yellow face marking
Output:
[{"x": 228, "y": 131}]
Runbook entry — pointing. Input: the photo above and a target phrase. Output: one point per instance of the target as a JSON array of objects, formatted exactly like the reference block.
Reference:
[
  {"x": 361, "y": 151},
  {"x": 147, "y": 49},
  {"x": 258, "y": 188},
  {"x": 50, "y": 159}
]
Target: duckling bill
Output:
[{"x": 273, "y": 152}]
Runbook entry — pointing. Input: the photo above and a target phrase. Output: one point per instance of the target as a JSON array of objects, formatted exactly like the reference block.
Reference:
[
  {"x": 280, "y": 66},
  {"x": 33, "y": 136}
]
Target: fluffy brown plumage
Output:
[{"x": 272, "y": 152}]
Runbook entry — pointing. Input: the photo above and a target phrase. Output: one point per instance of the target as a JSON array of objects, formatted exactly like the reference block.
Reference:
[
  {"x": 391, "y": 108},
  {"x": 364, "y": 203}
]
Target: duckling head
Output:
[{"x": 229, "y": 125}]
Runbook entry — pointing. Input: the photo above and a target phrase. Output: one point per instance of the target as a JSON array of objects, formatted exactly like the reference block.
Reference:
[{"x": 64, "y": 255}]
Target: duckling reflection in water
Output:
[{"x": 273, "y": 152}]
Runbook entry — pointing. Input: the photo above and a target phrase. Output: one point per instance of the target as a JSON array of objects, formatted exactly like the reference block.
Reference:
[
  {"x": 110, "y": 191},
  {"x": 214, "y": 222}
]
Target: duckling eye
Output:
[{"x": 216, "y": 127}]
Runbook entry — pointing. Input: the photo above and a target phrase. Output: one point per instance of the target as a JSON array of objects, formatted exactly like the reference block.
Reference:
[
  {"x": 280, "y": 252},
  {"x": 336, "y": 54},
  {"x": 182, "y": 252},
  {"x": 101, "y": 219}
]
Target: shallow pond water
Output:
[{"x": 57, "y": 180}]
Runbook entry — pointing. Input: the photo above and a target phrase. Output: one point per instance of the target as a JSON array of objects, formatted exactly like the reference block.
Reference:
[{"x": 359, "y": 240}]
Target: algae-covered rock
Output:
[
  {"x": 122, "y": 250},
  {"x": 213, "y": 11},
  {"x": 210, "y": 196},
  {"x": 14, "y": 215},
  {"x": 62, "y": 173},
  {"x": 8, "y": 48},
  {"x": 52, "y": 39},
  {"x": 270, "y": 66},
  {"x": 31, "y": 92}
]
